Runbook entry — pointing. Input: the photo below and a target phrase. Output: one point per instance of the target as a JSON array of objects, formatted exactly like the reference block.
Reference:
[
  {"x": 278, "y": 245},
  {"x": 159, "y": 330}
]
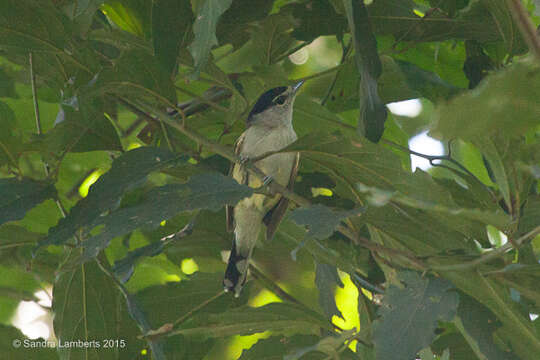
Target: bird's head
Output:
[{"x": 274, "y": 107}]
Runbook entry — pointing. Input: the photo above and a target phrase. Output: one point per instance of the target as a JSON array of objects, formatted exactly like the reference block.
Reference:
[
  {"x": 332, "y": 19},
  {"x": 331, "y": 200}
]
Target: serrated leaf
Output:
[
  {"x": 326, "y": 280},
  {"x": 88, "y": 307},
  {"x": 320, "y": 220},
  {"x": 271, "y": 39},
  {"x": 127, "y": 172},
  {"x": 410, "y": 314},
  {"x": 204, "y": 191},
  {"x": 478, "y": 326},
  {"x": 17, "y": 197},
  {"x": 280, "y": 318},
  {"x": 204, "y": 30},
  {"x": 171, "y": 21}
]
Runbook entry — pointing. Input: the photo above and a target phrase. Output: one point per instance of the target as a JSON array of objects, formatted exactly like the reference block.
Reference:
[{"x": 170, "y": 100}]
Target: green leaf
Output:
[
  {"x": 271, "y": 39},
  {"x": 530, "y": 215},
  {"x": 127, "y": 172},
  {"x": 411, "y": 314},
  {"x": 279, "y": 318},
  {"x": 82, "y": 13},
  {"x": 10, "y": 143},
  {"x": 320, "y": 220},
  {"x": 519, "y": 331},
  {"x": 88, "y": 307},
  {"x": 316, "y": 18},
  {"x": 522, "y": 278},
  {"x": 166, "y": 303},
  {"x": 326, "y": 280},
  {"x": 17, "y": 197},
  {"x": 372, "y": 110},
  {"x": 276, "y": 347},
  {"x": 478, "y": 325},
  {"x": 79, "y": 130},
  {"x": 504, "y": 102},
  {"x": 16, "y": 346},
  {"x": 133, "y": 16},
  {"x": 378, "y": 197},
  {"x": 171, "y": 22},
  {"x": 7, "y": 85},
  {"x": 137, "y": 74},
  {"x": 204, "y": 30},
  {"x": 205, "y": 191},
  {"x": 232, "y": 25},
  {"x": 31, "y": 25},
  {"x": 329, "y": 345}
]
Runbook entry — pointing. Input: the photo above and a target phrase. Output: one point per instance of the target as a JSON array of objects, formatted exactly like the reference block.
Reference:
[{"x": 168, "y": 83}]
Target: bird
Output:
[{"x": 269, "y": 127}]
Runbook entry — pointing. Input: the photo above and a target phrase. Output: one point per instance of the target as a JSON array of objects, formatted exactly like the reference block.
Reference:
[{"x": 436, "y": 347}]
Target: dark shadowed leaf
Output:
[
  {"x": 410, "y": 314},
  {"x": 276, "y": 347},
  {"x": 327, "y": 279},
  {"x": 320, "y": 220},
  {"x": 88, "y": 307},
  {"x": 372, "y": 110},
  {"x": 32, "y": 25},
  {"x": 232, "y": 25},
  {"x": 205, "y": 191},
  {"x": 316, "y": 18},
  {"x": 478, "y": 326},
  {"x": 17, "y": 197},
  {"x": 137, "y": 74},
  {"x": 127, "y": 172},
  {"x": 78, "y": 130},
  {"x": 204, "y": 29},
  {"x": 171, "y": 23},
  {"x": 271, "y": 38},
  {"x": 169, "y": 302},
  {"x": 12, "y": 342},
  {"x": 280, "y": 318}
]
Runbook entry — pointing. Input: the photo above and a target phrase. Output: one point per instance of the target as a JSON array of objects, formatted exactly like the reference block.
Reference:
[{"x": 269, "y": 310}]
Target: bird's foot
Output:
[
  {"x": 267, "y": 180},
  {"x": 243, "y": 159}
]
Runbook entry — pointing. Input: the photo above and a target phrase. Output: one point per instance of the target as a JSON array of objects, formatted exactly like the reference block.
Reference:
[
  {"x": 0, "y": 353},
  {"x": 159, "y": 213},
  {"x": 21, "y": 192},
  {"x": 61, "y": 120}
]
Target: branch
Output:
[
  {"x": 494, "y": 254},
  {"x": 273, "y": 186},
  {"x": 525, "y": 26}
]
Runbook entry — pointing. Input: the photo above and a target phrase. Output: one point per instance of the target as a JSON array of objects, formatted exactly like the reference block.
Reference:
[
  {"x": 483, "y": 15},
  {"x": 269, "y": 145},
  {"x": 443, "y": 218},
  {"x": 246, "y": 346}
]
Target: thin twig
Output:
[
  {"x": 202, "y": 99},
  {"x": 526, "y": 27},
  {"x": 38, "y": 123},
  {"x": 494, "y": 254}
]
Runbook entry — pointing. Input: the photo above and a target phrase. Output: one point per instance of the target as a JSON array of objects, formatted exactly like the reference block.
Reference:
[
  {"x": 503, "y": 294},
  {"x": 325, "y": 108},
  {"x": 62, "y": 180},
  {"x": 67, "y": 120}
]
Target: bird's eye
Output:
[{"x": 280, "y": 100}]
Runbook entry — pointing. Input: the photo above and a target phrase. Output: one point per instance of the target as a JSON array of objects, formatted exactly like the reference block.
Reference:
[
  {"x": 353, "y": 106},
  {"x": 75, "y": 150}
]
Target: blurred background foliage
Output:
[{"x": 112, "y": 211}]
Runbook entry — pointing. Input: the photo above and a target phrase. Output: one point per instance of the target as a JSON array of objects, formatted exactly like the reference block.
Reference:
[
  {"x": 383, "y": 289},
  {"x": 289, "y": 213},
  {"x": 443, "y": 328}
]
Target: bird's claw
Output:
[
  {"x": 243, "y": 159},
  {"x": 267, "y": 180}
]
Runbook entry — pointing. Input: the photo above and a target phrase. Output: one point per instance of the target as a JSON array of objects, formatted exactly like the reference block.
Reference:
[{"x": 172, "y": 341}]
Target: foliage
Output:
[{"x": 117, "y": 124}]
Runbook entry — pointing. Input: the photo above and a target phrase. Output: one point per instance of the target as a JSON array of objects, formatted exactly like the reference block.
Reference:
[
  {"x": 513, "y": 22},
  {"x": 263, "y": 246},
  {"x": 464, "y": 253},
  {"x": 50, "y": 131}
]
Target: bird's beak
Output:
[{"x": 297, "y": 86}]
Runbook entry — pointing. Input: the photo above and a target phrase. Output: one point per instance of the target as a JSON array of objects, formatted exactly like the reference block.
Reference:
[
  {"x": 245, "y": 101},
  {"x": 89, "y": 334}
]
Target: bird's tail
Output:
[
  {"x": 236, "y": 272},
  {"x": 246, "y": 234}
]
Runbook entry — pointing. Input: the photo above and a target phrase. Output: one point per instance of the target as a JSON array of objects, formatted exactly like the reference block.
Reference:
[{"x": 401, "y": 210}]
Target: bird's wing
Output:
[
  {"x": 229, "y": 209},
  {"x": 274, "y": 216}
]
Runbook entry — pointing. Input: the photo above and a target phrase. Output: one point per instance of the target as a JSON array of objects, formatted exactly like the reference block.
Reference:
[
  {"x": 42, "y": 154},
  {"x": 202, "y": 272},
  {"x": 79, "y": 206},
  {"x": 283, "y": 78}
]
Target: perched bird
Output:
[{"x": 269, "y": 128}]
